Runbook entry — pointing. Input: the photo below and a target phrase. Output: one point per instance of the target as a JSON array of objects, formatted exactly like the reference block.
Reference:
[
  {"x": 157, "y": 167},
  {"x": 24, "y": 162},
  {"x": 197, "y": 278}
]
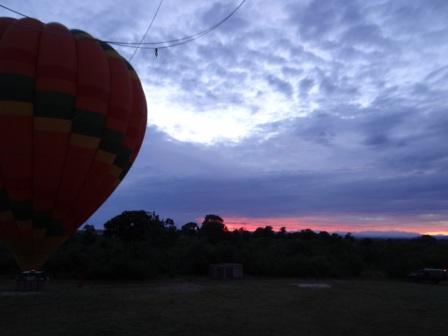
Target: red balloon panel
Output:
[{"x": 72, "y": 119}]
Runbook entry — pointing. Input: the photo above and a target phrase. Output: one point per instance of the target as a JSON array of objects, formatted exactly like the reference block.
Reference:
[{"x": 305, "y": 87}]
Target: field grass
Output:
[{"x": 247, "y": 307}]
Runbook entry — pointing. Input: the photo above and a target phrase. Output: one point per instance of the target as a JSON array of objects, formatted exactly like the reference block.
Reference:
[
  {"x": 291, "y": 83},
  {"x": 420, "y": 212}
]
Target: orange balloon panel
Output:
[{"x": 72, "y": 120}]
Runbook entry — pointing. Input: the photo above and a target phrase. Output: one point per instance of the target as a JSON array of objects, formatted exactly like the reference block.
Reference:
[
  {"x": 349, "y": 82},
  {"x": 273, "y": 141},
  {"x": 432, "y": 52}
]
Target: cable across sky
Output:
[
  {"x": 147, "y": 29},
  {"x": 160, "y": 44}
]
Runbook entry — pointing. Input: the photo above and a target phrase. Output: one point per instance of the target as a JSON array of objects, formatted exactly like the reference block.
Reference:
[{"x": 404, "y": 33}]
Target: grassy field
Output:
[{"x": 247, "y": 307}]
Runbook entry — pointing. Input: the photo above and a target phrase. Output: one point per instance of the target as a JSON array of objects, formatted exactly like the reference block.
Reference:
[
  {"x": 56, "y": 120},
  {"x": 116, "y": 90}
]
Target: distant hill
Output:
[{"x": 391, "y": 235}]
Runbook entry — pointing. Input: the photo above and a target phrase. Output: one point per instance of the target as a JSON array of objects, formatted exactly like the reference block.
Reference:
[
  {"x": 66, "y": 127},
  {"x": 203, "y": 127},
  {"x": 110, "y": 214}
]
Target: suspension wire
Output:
[
  {"x": 146, "y": 45},
  {"x": 14, "y": 11},
  {"x": 188, "y": 37},
  {"x": 159, "y": 47},
  {"x": 147, "y": 30}
]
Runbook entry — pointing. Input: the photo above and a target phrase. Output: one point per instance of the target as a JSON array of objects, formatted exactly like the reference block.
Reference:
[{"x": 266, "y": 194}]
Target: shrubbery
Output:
[{"x": 138, "y": 245}]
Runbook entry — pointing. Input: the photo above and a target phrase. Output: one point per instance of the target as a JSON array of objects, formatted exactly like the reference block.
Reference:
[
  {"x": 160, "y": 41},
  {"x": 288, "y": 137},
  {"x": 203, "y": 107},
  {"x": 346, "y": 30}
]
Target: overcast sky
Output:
[{"x": 328, "y": 114}]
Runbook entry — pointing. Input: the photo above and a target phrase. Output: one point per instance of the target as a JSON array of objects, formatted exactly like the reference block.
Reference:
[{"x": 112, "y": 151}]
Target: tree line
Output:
[{"x": 138, "y": 245}]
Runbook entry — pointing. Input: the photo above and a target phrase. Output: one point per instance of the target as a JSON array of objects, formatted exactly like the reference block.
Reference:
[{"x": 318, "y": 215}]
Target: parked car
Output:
[{"x": 433, "y": 275}]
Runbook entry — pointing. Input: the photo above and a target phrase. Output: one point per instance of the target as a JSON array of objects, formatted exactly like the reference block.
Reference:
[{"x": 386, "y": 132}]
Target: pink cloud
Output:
[{"x": 343, "y": 223}]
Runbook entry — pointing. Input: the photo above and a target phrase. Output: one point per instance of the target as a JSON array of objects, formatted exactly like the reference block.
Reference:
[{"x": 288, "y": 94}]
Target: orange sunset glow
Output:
[{"x": 436, "y": 233}]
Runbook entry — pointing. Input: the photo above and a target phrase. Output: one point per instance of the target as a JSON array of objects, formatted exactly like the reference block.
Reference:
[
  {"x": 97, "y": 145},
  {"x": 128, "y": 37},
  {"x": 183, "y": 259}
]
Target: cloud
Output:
[
  {"x": 219, "y": 10},
  {"x": 296, "y": 172},
  {"x": 280, "y": 85},
  {"x": 305, "y": 85},
  {"x": 291, "y": 108}
]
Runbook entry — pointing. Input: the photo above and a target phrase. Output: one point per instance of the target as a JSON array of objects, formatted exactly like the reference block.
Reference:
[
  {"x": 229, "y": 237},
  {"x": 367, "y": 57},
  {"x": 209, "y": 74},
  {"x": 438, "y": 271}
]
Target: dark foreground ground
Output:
[{"x": 248, "y": 307}]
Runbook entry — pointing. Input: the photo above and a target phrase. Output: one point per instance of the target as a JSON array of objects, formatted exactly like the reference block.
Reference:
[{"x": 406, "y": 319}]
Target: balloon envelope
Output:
[{"x": 72, "y": 120}]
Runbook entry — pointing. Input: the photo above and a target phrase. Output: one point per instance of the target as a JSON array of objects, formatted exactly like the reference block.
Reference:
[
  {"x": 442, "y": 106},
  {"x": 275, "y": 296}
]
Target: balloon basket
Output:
[{"x": 31, "y": 281}]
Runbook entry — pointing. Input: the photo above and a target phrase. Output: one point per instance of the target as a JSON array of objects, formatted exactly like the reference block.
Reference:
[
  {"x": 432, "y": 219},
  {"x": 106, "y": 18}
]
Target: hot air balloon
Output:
[{"x": 72, "y": 120}]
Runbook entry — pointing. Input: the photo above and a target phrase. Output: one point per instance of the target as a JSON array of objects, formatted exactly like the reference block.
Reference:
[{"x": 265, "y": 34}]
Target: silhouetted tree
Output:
[
  {"x": 266, "y": 231},
  {"x": 324, "y": 235},
  {"x": 88, "y": 235},
  {"x": 282, "y": 232},
  {"x": 348, "y": 236},
  {"x": 427, "y": 239},
  {"x": 141, "y": 245},
  {"x": 134, "y": 226},
  {"x": 169, "y": 223},
  {"x": 213, "y": 228},
  {"x": 190, "y": 228},
  {"x": 307, "y": 234}
]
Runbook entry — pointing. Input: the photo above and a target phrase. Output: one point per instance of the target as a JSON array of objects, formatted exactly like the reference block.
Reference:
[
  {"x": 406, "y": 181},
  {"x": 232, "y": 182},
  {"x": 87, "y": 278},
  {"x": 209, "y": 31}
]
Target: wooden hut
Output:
[
  {"x": 226, "y": 271},
  {"x": 31, "y": 281}
]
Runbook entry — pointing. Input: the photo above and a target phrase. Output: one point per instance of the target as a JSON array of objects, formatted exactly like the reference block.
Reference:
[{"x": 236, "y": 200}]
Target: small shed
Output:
[
  {"x": 226, "y": 271},
  {"x": 31, "y": 281}
]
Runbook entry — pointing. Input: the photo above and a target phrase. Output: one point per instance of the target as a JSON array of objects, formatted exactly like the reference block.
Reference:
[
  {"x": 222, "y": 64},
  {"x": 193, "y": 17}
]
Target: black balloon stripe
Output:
[
  {"x": 22, "y": 210},
  {"x": 123, "y": 155},
  {"x": 4, "y": 201},
  {"x": 50, "y": 104},
  {"x": 88, "y": 123},
  {"x": 16, "y": 87},
  {"x": 111, "y": 141}
]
